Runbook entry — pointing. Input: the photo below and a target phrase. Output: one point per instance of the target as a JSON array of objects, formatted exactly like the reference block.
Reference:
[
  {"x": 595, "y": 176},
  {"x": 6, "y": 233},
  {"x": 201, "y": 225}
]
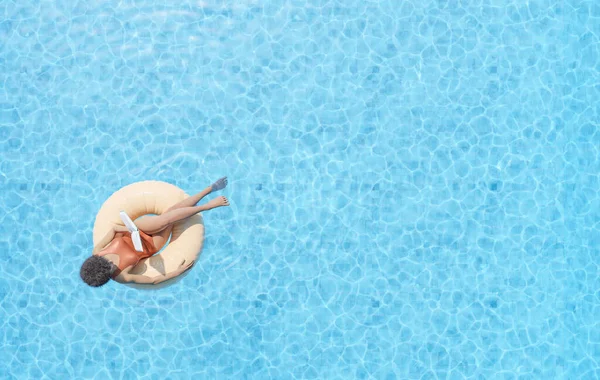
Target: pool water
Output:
[{"x": 413, "y": 186}]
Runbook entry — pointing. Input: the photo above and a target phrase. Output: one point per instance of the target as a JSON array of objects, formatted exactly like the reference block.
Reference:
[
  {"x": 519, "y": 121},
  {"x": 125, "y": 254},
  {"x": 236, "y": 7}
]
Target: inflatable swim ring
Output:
[{"x": 154, "y": 197}]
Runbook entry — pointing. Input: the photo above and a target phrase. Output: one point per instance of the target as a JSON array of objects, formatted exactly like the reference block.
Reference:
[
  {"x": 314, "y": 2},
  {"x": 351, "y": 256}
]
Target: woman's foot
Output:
[
  {"x": 217, "y": 202},
  {"x": 219, "y": 184}
]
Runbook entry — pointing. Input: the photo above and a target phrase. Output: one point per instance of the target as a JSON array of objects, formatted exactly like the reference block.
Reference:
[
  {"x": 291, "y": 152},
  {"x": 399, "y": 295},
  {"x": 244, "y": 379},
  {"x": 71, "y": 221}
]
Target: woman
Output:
[{"x": 115, "y": 255}]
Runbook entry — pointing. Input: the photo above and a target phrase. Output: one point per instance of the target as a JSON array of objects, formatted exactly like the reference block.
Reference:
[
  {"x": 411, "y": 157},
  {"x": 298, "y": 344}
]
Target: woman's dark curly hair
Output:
[{"x": 96, "y": 271}]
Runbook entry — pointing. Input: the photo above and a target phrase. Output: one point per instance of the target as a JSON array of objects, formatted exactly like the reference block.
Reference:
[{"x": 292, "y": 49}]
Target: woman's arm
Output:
[
  {"x": 126, "y": 277},
  {"x": 120, "y": 228},
  {"x": 110, "y": 235}
]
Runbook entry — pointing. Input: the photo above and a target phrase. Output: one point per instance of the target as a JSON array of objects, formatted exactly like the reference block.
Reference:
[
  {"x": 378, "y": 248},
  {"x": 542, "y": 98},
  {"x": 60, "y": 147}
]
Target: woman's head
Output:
[{"x": 96, "y": 271}]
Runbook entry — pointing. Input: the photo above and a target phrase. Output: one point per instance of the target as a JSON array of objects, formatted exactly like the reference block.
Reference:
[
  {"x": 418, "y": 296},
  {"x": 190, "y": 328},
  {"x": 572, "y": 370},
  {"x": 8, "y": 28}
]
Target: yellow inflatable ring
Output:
[{"x": 154, "y": 197}]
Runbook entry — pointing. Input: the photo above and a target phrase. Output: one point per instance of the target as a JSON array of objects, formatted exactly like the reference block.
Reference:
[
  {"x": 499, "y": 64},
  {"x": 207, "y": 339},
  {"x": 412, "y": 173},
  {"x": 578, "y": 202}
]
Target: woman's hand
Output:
[{"x": 120, "y": 228}]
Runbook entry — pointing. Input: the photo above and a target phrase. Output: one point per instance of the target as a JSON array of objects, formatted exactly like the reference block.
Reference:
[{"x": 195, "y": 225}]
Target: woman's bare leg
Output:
[
  {"x": 194, "y": 199},
  {"x": 157, "y": 223},
  {"x": 160, "y": 238}
]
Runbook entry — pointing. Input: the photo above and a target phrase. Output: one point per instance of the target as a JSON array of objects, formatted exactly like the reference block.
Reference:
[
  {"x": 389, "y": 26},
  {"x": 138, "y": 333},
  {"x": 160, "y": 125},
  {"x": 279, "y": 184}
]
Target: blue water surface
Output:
[{"x": 413, "y": 186}]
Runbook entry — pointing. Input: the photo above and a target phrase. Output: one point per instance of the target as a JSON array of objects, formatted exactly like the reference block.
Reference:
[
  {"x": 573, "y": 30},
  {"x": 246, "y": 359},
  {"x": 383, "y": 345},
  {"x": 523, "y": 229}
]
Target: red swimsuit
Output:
[{"x": 123, "y": 246}]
